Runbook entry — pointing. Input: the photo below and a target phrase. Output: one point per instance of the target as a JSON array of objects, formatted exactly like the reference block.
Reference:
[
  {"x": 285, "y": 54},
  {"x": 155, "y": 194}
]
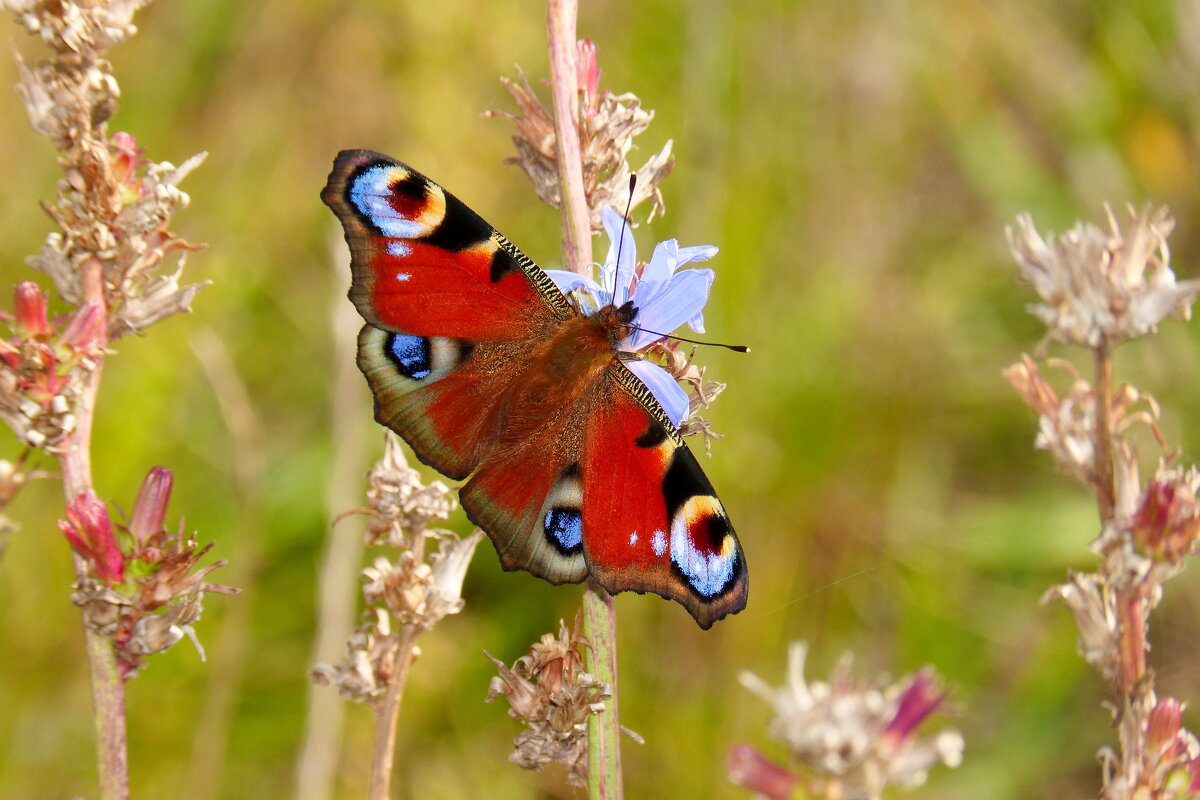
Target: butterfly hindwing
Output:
[
  {"x": 529, "y": 499},
  {"x": 436, "y": 392}
]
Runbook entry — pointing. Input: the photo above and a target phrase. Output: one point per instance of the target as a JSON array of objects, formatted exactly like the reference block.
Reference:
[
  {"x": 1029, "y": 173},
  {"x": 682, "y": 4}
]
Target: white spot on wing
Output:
[
  {"x": 399, "y": 249},
  {"x": 402, "y": 276},
  {"x": 658, "y": 540},
  {"x": 633, "y": 537}
]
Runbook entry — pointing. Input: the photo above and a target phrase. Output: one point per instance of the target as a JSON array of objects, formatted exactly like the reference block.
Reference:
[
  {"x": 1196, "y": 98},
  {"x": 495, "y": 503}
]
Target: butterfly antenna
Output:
[
  {"x": 737, "y": 348},
  {"x": 624, "y": 225}
]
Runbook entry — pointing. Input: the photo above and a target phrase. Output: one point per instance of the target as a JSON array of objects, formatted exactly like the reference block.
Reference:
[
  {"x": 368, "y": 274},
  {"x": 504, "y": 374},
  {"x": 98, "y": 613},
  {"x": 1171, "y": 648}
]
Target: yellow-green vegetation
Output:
[{"x": 856, "y": 163}]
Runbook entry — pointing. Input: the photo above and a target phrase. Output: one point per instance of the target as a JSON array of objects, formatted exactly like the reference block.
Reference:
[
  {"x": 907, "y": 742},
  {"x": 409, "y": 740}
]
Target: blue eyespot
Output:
[
  {"x": 411, "y": 355},
  {"x": 564, "y": 527}
]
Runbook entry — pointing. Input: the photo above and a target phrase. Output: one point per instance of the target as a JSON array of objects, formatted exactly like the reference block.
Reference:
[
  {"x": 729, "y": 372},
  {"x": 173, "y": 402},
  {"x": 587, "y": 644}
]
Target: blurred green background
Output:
[{"x": 856, "y": 163}]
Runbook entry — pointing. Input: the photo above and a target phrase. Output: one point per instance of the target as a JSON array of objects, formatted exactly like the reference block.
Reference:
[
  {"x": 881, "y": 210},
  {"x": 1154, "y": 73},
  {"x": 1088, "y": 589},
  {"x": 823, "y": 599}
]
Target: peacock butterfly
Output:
[{"x": 483, "y": 365}]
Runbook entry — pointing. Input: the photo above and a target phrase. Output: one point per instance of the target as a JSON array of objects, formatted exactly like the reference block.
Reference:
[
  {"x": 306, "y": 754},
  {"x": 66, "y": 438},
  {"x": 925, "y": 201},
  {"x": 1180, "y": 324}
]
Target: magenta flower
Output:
[
  {"x": 749, "y": 768},
  {"x": 919, "y": 699}
]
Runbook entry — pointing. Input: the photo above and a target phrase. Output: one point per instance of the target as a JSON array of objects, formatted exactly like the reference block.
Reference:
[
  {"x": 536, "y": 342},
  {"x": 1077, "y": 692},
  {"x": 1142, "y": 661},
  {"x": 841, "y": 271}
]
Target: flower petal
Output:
[
  {"x": 616, "y": 277},
  {"x": 658, "y": 271},
  {"x": 687, "y": 255},
  {"x": 682, "y": 301},
  {"x": 666, "y": 390},
  {"x": 568, "y": 281}
]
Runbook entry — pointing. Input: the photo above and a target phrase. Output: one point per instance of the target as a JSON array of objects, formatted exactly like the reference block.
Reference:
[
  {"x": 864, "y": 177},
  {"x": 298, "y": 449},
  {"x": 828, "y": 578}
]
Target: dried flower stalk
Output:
[
  {"x": 111, "y": 260},
  {"x": 406, "y": 596},
  {"x": 605, "y": 124},
  {"x": 1100, "y": 288},
  {"x": 577, "y": 159}
]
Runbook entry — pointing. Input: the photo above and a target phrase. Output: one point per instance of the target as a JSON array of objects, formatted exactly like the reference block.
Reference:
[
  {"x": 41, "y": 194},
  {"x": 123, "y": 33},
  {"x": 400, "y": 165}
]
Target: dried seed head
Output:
[
  {"x": 410, "y": 591},
  {"x": 145, "y": 600},
  {"x": 1067, "y": 424},
  {"x": 400, "y": 505},
  {"x": 1103, "y": 286},
  {"x": 370, "y": 661},
  {"x": 548, "y": 691},
  {"x": 1094, "y": 606},
  {"x": 607, "y": 125},
  {"x": 113, "y": 206}
]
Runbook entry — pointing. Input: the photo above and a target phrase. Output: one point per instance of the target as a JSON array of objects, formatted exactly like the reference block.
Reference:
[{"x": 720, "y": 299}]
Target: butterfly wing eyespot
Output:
[{"x": 574, "y": 469}]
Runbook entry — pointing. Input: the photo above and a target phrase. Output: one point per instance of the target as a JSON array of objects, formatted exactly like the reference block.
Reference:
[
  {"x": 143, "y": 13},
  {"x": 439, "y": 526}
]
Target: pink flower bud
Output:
[
  {"x": 30, "y": 305},
  {"x": 750, "y": 769},
  {"x": 85, "y": 332},
  {"x": 90, "y": 531},
  {"x": 588, "y": 69},
  {"x": 126, "y": 157},
  {"x": 150, "y": 509},
  {"x": 1154, "y": 514},
  {"x": 916, "y": 703},
  {"x": 1163, "y": 725}
]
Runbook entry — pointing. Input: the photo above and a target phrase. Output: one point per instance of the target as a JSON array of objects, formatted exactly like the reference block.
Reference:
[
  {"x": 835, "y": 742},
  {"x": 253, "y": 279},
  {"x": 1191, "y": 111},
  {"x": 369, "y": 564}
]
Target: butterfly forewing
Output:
[
  {"x": 477, "y": 360},
  {"x": 651, "y": 520},
  {"x": 425, "y": 264}
]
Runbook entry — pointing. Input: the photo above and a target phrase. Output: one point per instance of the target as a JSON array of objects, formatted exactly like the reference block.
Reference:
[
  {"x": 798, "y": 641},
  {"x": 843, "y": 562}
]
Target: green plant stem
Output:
[
  {"x": 604, "y": 729},
  {"x": 599, "y": 617},
  {"x": 108, "y": 685}
]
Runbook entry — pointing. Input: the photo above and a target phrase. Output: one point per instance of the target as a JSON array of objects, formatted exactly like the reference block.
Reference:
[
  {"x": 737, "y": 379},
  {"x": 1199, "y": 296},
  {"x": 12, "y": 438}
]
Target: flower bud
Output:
[
  {"x": 916, "y": 703},
  {"x": 85, "y": 332},
  {"x": 1163, "y": 725},
  {"x": 90, "y": 531},
  {"x": 750, "y": 769},
  {"x": 126, "y": 157},
  {"x": 29, "y": 303},
  {"x": 150, "y": 509},
  {"x": 588, "y": 70}
]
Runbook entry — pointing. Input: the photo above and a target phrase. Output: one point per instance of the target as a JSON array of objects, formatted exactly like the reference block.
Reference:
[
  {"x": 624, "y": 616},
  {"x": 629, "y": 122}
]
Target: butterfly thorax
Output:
[
  {"x": 582, "y": 347},
  {"x": 617, "y": 322},
  {"x": 565, "y": 374}
]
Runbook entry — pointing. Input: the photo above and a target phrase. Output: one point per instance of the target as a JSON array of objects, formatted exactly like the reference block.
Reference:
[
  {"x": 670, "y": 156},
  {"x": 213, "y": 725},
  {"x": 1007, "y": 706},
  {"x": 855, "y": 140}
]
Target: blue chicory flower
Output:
[{"x": 664, "y": 298}]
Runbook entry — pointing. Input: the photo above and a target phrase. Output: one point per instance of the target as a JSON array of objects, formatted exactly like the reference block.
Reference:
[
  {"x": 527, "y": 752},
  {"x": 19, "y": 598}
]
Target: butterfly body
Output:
[{"x": 484, "y": 367}]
